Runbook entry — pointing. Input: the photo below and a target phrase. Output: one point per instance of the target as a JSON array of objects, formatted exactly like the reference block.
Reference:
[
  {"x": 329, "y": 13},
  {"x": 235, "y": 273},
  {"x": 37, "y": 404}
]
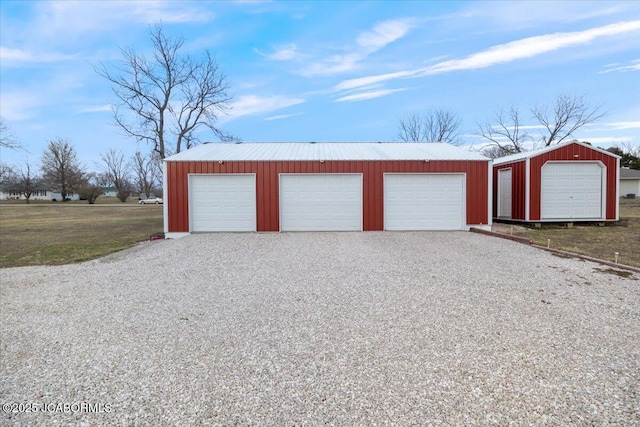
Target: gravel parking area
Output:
[{"x": 321, "y": 328}]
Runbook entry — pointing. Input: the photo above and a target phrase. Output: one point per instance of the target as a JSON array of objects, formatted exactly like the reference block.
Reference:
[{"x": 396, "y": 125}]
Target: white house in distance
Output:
[
  {"x": 37, "y": 195},
  {"x": 629, "y": 182}
]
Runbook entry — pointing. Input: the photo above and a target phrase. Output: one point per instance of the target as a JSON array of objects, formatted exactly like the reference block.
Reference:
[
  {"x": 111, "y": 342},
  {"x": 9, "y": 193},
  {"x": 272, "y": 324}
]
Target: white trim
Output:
[
  {"x": 490, "y": 196},
  {"x": 165, "y": 193},
  {"x": 486, "y": 227},
  {"x": 510, "y": 169},
  {"x": 321, "y": 174},
  {"x": 464, "y": 225},
  {"x": 176, "y": 235},
  {"x": 617, "y": 190},
  {"x": 603, "y": 186},
  {"x": 190, "y": 198},
  {"x": 538, "y": 152},
  {"x": 527, "y": 191}
]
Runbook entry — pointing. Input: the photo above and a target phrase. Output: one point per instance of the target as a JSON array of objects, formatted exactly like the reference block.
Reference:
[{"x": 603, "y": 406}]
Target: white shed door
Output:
[
  {"x": 504, "y": 193},
  {"x": 571, "y": 190},
  {"x": 424, "y": 202},
  {"x": 321, "y": 202},
  {"x": 222, "y": 202}
]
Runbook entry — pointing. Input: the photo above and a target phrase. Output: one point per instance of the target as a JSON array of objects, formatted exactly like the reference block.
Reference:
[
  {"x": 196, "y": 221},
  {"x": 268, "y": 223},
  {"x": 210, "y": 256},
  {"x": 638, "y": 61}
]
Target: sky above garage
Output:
[{"x": 323, "y": 71}]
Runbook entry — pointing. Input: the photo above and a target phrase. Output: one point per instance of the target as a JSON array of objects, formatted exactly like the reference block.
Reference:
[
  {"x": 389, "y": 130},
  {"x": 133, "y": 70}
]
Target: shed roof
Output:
[
  {"x": 266, "y": 151},
  {"x": 533, "y": 153},
  {"x": 626, "y": 173}
]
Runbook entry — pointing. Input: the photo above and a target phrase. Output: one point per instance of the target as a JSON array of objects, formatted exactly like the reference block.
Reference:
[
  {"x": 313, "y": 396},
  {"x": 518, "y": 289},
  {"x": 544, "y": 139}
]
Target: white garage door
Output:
[
  {"x": 424, "y": 202},
  {"x": 320, "y": 202},
  {"x": 571, "y": 190},
  {"x": 222, "y": 202}
]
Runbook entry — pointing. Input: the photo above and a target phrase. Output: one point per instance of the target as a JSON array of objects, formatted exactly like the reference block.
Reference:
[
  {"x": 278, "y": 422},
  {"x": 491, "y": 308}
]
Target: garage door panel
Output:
[
  {"x": 424, "y": 201},
  {"x": 571, "y": 190},
  {"x": 222, "y": 203},
  {"x": 321, "y": 202}
]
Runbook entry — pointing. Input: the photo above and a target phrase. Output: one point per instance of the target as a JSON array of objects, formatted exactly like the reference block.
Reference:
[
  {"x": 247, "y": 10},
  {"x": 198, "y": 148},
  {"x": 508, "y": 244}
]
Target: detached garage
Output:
[
  {"x": 562, "y": 183},
  {"x": 220, "y": 187}
]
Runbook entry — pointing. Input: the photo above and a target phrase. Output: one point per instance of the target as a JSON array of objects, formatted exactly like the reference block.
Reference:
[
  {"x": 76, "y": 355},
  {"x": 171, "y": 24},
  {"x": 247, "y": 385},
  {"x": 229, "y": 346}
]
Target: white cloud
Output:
[
  {"x": 610, "y": 140},
  {"x": 368, "y": 95},
  {"x": 19, "y": 105},
  {"x": 384, "y": 33},
  {"x": 366, "y": 81},
  {"x": 252, "y": 104},
  {"x": 282, "y": 53},
  {"x": 531, "y": 46},
  {"x": 15, "y": 57},
  {"x": 282, "y": 116},
  {"x": 96, "y": 109},
  {"x": 634, "y": 65},
  {"x": 367, "y": 43},
  {"x": 624, "y": 125},
  {"x": 501, "y": 54}
]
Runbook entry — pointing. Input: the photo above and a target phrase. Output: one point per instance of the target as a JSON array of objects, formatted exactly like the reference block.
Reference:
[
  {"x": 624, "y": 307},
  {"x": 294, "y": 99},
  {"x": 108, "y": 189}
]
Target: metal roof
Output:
[
  {"x": 533, "y": 153},
  {"x": 284, "y": 151}
]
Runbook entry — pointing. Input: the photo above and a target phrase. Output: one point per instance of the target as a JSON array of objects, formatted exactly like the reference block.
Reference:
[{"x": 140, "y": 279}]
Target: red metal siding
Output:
[
  {"x": 518, "y": 189},
  {"x": 567, "y": 153},
  {"x": 267, "y": 187}
]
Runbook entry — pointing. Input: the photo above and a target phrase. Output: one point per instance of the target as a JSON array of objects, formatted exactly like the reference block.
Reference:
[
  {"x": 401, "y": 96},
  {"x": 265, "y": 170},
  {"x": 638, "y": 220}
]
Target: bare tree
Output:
[
  {"x": 504, "y": 132},
  {"x": 7, "y": 175},
  {"x": 435, "y": 125},
  {"x": 143, "y": 173},
  {"x": 7, "y": 139},
  {"x": 170, "y": 94},
  {"x": 116, "y": 171},
  {"x": 90, "y": 187},
  {"x": 568, "y": 114},
  {"x": 26, "y": 183},
  {"x": 60, "y": 167}
]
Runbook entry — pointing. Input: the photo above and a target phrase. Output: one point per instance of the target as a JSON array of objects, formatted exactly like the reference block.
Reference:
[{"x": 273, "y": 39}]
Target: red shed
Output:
[
  {"x": 562, "y": 183},
  {"x": 325, "y": 187}
]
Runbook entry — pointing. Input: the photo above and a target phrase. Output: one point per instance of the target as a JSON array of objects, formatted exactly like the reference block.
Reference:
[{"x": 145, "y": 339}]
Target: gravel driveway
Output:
[{"x": 321, "y": 328}]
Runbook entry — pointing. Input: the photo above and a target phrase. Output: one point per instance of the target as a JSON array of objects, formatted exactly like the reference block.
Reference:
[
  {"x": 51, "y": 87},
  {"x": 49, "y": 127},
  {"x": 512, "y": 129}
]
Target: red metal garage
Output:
[
  {"x": 325, "y": 186},
  {"x": 568, "y": 182}
]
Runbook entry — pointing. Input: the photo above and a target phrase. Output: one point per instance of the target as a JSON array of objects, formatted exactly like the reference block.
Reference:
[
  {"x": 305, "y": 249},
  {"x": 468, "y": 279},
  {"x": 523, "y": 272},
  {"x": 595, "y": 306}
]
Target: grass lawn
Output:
[
  {"x": 600, "y": 242},
  {"x": 61, "y": 233}
]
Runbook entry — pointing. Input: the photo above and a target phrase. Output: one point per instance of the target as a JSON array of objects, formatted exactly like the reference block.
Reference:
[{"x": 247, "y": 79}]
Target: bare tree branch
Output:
[
  {"x": 504, "y": 133},
  {"x": 7, "y": 139},
  {"x": 164, "y": 99},
  {"x": 435, "y": 125},
  {"x": 568, "y": 114}
]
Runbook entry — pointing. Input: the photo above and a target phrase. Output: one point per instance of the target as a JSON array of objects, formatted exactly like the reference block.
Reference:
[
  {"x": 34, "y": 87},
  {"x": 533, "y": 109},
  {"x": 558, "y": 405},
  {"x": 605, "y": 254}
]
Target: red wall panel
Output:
[
  {"x": 573, "y": 152},
  {"x": 518, "y": 189},
  {"x": 267, "y": 186}
]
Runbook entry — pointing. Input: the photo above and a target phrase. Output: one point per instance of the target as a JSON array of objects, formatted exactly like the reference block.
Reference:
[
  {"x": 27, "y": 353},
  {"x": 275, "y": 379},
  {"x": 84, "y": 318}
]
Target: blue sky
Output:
[{"x": 323, "y": 71}]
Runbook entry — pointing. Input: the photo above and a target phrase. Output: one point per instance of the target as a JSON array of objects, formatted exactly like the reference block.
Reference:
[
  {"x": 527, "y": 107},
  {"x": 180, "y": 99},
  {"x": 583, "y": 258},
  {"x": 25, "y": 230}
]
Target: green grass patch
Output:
[{"x": 61, "y": 233}]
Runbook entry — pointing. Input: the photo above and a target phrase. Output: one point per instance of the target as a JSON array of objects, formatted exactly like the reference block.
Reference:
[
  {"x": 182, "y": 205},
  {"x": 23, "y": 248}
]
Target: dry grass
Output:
[
  {"x": 590, "y": 239},
  {"x": 61, "y": 233}
]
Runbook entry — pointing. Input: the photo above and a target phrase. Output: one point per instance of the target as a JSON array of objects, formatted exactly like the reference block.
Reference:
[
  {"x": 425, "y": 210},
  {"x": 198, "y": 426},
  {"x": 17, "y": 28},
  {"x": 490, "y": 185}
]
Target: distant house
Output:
[
  {"x": 109, "y": 192},
  {"x": 6, "y": 194},
  {"x": 629, "y": 182}
]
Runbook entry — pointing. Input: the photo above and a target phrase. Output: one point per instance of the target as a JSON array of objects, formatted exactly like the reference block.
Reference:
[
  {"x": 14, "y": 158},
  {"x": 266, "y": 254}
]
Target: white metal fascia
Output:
[
  {"x": 165, "y": 193},
  {"x": 490, "y": 194},
  {"x": 527, "y": 188},
  {"x": 618, "y": 189}
]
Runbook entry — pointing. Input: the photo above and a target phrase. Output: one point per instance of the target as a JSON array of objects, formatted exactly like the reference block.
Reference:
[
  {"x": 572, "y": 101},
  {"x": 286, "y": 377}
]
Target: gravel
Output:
[{"x": 373, "y": 328}]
